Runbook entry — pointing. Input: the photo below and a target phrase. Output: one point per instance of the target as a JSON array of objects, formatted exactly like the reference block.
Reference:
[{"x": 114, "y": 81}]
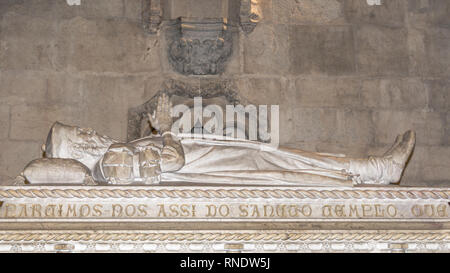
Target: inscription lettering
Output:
[
  {"x": 175, "y": 210},
  {"x": 363, "y": 210},
  {"x": 229, "y": 211},
  {"x": 429, "y": 210}
]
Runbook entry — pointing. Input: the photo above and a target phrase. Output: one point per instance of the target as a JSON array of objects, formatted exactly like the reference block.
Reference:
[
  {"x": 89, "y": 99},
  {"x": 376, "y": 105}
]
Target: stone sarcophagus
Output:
[
  {"x": 223, "y": 219},
  {"x": 166, "y": 190}
]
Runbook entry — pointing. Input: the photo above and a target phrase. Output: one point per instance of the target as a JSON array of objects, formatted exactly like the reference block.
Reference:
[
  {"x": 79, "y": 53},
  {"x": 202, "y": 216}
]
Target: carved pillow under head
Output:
[{"x": 59, "y": 171}]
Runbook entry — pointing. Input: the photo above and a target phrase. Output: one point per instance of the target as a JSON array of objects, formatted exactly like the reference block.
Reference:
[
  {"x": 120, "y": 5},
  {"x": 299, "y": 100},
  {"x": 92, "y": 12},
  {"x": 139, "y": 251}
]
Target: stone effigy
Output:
[
  {"x": 168, "y": 158},
  {"x": 171, "y": 193}
]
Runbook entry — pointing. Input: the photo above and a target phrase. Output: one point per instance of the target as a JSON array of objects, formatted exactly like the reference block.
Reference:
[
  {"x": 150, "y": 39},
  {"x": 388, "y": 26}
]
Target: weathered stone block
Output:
[
  {"x": 197, "y": 8},
  {"x": 354, "y": 127},
  {"x": 16, "y": 154},
  {"x": 267, "y": 10},
  {"x": 6, "y": 180},
  {"x": 348, "y": 127},
  {"x": 266, "y": 50},
  {"x": 60, "y": 9},
  {"x": 391, "y": 12},
  {"x": 151, "y": 86},
  {"x": 64, "y": 89},
  {"x": 23, "y": 87},
  {"x": 439, "y": 94},
  {"x": 430, "y": 12},
  {"x": 315, "y": 124},
  {"x": 429, "y": 51},
  {"x": 436, "y": 165},
  {"x": 133, "y": 9},
  {"x": 107, "y": 46},
  {"x": 101, "y": 8},
  {"x": 32, "y": 122},
  {"x": 272, "y": 91},
  {"x": 307, "y": 12},
  {"x": 107, "y": 100},
  {"x": 328, "y": 92},
  {"x": 27, "y": 43},
  {"x": 428, "y": 126},
  {"x": 39, "y": 88},
  {"x": 404, "y": 93},
  {"x": 416, "y": 48},
  {"x": 213, "y": 87},
  {"x": 265, "y": 90},
  {"x": 381, "y": 50},
  {"x": 437, "y": 52},
  {"x": 42, "y": 8},
  {"x": 4, "y": 121},
  {"x": 233, "y": 65},
  {"x": 321, "y": 49},
  {"x": 447, "y": 130}
]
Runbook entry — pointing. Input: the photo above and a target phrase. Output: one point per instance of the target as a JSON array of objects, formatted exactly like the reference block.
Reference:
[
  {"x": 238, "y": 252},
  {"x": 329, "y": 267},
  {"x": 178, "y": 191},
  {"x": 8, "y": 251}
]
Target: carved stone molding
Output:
[
  {"x": 236, "y": 236},
  {"x": 142, "y": 236},
  {"x": 199, "y": 46},
  {"x": 249, "y": 15},
  {"x": 152, "y": 15},
  {"x": 221, "y": 193},
  {"x": 219, "y": 241},
  {"x": 389, "y": 219}
]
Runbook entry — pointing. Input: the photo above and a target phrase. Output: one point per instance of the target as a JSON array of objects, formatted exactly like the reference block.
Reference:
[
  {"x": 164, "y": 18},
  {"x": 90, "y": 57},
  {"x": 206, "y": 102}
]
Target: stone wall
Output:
[{"x": 348, "y": 76}]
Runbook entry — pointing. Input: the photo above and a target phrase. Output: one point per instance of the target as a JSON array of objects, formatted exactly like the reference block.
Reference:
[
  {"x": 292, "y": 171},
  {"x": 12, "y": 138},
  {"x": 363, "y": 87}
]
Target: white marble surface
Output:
[{"x": 181, "y": 218}]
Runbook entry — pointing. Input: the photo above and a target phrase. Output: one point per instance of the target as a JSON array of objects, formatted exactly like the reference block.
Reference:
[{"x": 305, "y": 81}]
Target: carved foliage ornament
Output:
[{"x": 200, "y": 46}]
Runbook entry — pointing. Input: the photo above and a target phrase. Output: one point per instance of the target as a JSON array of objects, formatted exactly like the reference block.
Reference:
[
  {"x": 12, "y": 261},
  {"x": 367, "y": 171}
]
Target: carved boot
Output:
[{"x": 386, "y": 169}]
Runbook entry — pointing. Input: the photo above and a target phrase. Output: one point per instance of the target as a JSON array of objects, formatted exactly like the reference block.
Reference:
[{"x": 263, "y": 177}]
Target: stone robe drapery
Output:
[{"x": 213, "y": 161}]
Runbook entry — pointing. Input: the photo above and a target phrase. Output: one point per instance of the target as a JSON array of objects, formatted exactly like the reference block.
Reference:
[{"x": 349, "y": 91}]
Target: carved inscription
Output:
[{"x": 237, "y": 211}]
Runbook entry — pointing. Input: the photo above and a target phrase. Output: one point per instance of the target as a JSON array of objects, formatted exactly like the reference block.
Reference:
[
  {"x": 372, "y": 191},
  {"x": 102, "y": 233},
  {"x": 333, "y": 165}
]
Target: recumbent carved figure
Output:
[{"x": 75, "y": 155}]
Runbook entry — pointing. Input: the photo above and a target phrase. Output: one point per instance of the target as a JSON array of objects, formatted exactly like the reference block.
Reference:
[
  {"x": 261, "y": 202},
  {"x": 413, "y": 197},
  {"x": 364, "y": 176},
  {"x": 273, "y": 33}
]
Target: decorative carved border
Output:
[
  {"x": 322, "y": 236},
  {"x": 223, "y": 193},
  {"x": 152, "y": 15}
]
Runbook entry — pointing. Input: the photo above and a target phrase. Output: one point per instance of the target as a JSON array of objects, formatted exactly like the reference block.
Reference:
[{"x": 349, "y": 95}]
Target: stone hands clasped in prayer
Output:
[{"x": 75, "y": 155}]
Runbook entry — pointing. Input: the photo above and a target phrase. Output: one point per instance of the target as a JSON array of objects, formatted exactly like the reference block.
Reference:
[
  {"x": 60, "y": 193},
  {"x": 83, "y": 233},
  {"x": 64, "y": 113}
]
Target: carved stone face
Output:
[{"x": 82, "y": 144}]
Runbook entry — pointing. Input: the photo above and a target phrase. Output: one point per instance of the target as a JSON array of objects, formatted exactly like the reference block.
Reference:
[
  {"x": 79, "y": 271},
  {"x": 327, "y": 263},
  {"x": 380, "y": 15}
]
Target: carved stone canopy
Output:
[{"x": 199, "y": 32}]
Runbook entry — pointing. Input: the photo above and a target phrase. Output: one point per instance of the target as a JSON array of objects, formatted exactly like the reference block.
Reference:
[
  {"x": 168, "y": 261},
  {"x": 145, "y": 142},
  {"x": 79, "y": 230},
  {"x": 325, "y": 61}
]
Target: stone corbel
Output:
[
  {"x": 152, "y": 15},
  {"x": 200, "y": 46},
  {"x": 249, "y": 15}
]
